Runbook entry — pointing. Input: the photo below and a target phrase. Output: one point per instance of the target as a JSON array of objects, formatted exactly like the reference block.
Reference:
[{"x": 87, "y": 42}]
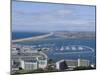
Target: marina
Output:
[{"x": 52, "y": 37}]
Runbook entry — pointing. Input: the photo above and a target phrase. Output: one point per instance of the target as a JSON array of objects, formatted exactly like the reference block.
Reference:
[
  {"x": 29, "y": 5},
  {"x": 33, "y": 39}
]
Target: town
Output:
[{"x": 26, "y": 60}]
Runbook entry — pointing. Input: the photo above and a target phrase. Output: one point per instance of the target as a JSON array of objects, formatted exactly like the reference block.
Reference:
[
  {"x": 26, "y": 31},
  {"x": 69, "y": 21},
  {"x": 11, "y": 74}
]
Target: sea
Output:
[{"x": 57, "y": 46}]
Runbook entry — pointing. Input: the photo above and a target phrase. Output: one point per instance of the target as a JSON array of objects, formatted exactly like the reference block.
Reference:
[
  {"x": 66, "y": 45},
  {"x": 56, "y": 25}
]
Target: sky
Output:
[{"x": 48, "y": 17}]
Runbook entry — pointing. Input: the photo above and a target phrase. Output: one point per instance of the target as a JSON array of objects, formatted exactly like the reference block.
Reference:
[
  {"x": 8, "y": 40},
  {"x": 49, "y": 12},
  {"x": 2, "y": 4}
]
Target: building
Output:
[
  {"x": 28, "y": 64},
  {"x": 28, "y": 59},
  {"x": 35, "y": 62},
  {"x": 83, "y": 63},
  {"x": 73, "y": 63}
]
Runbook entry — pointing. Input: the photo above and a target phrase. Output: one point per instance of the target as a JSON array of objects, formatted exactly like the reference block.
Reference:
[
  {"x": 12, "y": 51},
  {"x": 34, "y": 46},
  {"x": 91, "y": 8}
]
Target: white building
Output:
[
  {"x": 28, "y": 64},
  {"x": 31, "y": 60},
  {"x": 14, "y": 51},
  {"x": 84, "y": 63},
  {"x": 32, "y": 64},
  {"x": 73, "y": 63}
]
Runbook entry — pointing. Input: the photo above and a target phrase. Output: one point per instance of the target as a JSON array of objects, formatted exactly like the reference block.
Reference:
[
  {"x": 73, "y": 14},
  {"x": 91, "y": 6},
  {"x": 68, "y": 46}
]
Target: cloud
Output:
[
  {"x": 51, "y": 20},
  {"x": 45, "y": 17}
]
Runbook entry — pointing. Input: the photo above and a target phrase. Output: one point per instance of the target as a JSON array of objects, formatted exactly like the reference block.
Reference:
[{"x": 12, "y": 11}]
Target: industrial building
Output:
[
  {"x": 28, "y": 59},
  {"x": 73, "y": 63},
  {"x": 33, "y": 63}
]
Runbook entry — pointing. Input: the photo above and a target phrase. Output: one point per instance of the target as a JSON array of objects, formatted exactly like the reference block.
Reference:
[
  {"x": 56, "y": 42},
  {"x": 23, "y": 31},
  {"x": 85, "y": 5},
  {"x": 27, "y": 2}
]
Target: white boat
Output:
[
  {"x": 62, "y": 48},
  {"x": 73, "y": 48},
  {"x": 67, "y": 48},
  {"x": 80, "y": 48}
]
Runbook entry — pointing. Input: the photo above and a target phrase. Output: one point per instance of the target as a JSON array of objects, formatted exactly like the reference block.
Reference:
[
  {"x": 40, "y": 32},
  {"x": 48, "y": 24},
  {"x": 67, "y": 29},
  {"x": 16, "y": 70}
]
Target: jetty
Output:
[{"x": 33, "y": 38}]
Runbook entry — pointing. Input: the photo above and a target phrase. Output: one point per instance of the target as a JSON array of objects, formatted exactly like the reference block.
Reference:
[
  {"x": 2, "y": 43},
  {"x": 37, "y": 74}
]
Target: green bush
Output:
[{"x": 83, "y": 68}]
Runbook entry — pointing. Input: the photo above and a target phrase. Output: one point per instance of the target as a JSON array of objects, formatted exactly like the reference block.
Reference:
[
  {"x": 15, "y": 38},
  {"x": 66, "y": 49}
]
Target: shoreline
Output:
[{"x": 33, "y": 38}]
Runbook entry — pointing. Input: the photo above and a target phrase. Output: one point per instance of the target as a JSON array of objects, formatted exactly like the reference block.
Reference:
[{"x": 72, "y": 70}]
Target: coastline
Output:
[{"x": 33, "y": 38}]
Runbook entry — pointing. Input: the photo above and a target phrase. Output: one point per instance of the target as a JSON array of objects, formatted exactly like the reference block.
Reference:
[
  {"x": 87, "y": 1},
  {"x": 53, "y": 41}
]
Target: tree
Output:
[
  {"x": 63, "y": 65},
  {"x": 83, "y": 68},
  {"x": 50, "y": 61},
  {"x": 20, "y": 68}
]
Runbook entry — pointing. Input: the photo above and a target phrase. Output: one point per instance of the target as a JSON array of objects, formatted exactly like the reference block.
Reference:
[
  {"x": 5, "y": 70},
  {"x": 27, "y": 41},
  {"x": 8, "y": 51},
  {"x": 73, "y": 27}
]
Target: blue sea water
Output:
[
  {"x": 19, "y": 35},
  {"x": 54, "y": 43}
]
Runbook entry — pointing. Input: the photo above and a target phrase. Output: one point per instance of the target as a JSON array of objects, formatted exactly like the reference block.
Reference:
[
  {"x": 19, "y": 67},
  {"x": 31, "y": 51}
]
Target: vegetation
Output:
[
  {"x": 51, "y": 66},
  {"x": 83, "y": 68},
  {"x": 63, "y": 66}
]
